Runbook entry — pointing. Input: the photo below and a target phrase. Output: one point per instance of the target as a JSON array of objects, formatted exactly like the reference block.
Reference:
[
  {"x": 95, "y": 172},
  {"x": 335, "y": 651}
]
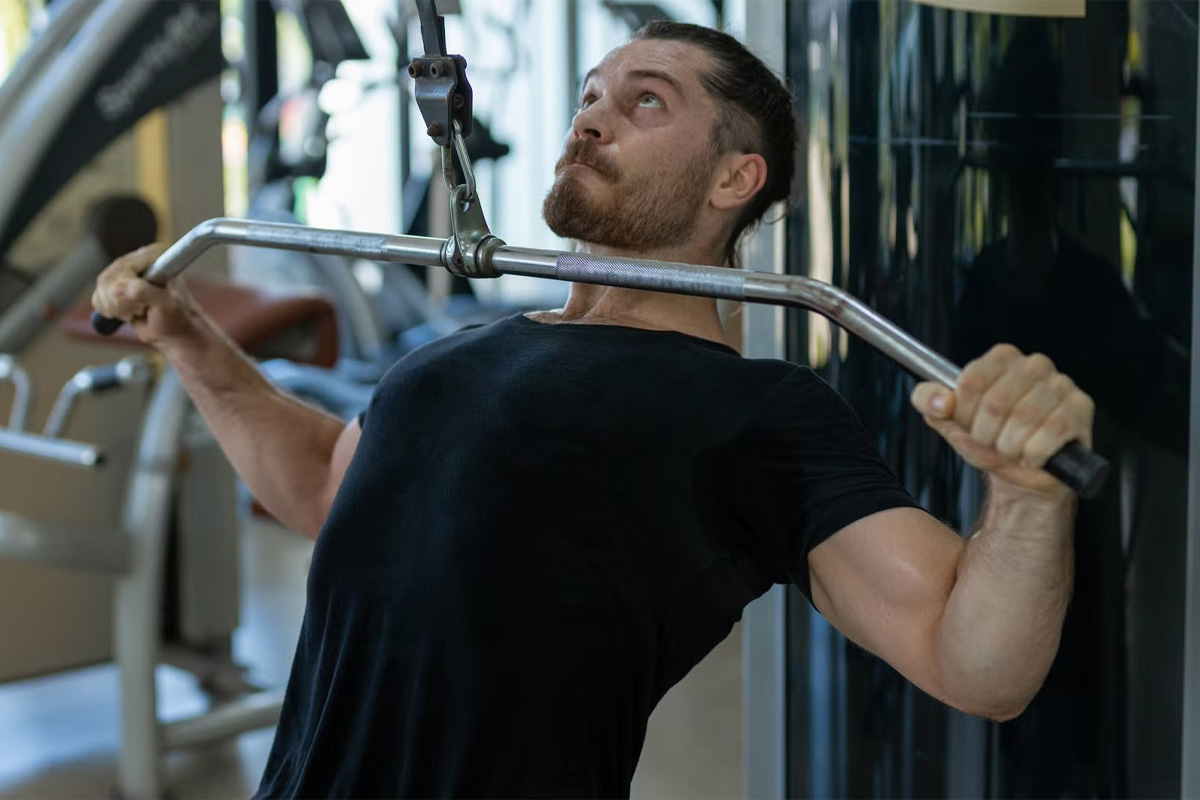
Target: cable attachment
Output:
[
  {"x": 441, "y": 89},
  {"x": 469, "y": 250},
  {"x": 448, "y": 174}
]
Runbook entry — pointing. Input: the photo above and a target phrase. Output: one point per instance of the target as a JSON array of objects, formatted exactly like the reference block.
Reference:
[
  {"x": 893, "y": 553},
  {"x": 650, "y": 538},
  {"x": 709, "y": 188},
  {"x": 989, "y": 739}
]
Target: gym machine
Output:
[
  {"x": 68, "y": 97},
  {"x": 444, "y": 98}
]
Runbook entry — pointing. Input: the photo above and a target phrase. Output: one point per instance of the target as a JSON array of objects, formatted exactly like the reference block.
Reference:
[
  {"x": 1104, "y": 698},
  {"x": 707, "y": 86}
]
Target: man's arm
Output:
[
  {"x": 291, "y": 455},
  {"x": 975, "y": 624}
]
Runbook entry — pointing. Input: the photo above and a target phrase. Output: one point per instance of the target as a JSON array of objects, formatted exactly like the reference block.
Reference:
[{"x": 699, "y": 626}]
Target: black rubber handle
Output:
[
  {"x": 1079, "y": 468},
  {"x": 106, "y": 377},
  {"x": 122, "y": 224},
  {"x": 105, "y": 326}
]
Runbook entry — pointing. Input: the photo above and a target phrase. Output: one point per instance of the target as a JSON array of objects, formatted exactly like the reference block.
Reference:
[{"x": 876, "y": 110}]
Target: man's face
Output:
[{"x": 637, "y": 164}]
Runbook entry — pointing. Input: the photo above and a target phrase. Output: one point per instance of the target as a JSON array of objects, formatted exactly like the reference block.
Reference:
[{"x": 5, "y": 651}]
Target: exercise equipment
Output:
[
  {"x": 171, "y": 552},
  {"x": 443, "y": 95},
  {"x": 288, "y": 149}
]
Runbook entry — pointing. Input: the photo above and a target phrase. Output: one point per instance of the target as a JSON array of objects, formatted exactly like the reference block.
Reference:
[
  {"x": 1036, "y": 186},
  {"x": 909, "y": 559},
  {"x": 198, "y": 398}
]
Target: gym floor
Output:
[{"x": 59, "y": 734}]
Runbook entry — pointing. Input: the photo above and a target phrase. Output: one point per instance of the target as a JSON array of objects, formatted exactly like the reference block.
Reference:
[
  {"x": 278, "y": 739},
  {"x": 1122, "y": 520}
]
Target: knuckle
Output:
[
  {"x": 1004, "y": 352},
  {"x": 1008, "y": 447},
  {"x": 996, "y": 403},
  {"x": 1058, "y": 426},
  {"x": 1039, "y": 363},
  {"x": 1061, "y": 384},
  {"x": 971, "y": 383},
  {"x": 1024, "y": 414}
]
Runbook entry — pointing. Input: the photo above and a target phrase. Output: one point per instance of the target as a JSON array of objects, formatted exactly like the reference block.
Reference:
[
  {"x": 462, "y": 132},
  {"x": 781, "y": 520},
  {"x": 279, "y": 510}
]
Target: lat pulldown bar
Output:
[{"x": 1076, "y": 466}]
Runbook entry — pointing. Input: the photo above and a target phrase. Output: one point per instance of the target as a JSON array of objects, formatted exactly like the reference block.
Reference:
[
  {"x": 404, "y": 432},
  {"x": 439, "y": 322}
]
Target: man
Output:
[{"x": 540, "y": 525}]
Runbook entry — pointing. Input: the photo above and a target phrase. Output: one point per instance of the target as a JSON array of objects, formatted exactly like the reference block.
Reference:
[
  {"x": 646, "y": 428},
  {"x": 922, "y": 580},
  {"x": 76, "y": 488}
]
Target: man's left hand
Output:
[{"x": 1009, "y": 414}]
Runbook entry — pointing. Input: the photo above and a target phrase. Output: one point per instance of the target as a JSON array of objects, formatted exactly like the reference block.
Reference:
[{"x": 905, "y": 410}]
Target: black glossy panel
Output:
[{"x": 983, "y": 179}]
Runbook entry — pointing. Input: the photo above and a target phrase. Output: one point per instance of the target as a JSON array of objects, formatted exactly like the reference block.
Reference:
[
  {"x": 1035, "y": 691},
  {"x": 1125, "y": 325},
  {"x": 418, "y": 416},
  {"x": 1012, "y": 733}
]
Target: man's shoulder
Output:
[{"x": 799, "y": 399}]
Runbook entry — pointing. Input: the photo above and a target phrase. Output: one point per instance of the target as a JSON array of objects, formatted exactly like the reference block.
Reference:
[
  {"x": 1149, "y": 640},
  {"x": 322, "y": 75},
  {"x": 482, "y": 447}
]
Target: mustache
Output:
[{"x": 587, "y": 152}]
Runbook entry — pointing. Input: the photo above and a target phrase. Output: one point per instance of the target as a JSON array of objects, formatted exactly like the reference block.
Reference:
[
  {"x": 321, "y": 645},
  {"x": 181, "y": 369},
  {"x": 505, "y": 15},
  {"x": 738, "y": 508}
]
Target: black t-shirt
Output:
[{"x": 543, "y": 529}]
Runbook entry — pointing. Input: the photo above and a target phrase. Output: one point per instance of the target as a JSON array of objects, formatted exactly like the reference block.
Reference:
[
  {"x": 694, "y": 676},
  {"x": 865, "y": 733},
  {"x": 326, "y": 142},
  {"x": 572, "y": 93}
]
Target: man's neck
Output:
[{"x": 635, "y": 308}]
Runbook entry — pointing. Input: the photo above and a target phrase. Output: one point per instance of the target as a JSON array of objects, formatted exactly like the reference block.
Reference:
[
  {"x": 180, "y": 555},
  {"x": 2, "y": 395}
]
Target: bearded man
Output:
[{"x": 539, "y": 526}]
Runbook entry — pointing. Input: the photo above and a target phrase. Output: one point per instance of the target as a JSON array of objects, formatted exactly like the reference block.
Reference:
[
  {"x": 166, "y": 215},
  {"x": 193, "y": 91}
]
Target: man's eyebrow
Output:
[
  {"x": 641, "y": 73},
  {"x": 659, "y": 75}
]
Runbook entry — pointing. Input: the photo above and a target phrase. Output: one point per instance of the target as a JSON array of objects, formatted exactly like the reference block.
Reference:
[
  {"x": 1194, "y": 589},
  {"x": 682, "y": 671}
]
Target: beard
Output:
[{"x": 637, "y": 212}]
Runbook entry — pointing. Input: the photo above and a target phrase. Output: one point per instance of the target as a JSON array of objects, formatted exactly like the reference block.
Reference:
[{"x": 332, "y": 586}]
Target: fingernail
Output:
[{"x": 938, "y": 404}]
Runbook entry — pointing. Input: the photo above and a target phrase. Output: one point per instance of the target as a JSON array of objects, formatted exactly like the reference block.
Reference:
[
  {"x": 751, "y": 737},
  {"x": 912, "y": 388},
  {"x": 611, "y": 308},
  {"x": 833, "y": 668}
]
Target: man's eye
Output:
[
  {"x": 650, "y": 100},
  {"x": 586, "y": 101}
]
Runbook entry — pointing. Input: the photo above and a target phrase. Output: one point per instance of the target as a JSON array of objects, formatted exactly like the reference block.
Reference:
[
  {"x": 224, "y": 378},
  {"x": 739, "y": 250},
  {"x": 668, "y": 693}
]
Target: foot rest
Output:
[{"x": 264, "y": 323}]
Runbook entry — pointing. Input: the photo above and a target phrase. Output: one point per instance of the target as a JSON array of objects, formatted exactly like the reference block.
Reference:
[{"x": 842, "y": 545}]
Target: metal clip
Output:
[
  {"x": 459, "y": 148},
  {"x": 470, "y": 248}
]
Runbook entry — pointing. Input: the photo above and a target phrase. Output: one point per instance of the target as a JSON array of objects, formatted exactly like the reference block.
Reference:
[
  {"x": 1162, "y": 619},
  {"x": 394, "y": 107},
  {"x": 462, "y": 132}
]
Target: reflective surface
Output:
[{"x": 982, "y": 179}]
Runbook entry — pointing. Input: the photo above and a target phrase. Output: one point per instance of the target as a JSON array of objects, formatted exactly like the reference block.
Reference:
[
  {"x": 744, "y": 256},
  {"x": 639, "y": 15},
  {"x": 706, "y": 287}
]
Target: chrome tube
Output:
[
  {"x": 61, "y": 450},
  {"x": 10, "y": 370},
  {"x": 722, "y": 282},
  {"x": 657, "y": 276},
  {"x": 856, "y": 317},
  {"x": 55, "y": 290},
  {"x": 421, "y": 250},
  {"x": 250, "y": 713},
  {"x": 64, "y": 404}
]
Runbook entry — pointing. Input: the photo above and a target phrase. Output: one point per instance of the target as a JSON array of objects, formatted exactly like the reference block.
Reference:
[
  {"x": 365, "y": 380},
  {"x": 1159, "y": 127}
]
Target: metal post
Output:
[
  {"x": 403, "y": 104},
  {"x": 1190, "y": 778},
  {"x": 572, "y": 57},
  {"x": 137, "y": 604},
  {"x": 764, "y": 630},
  {"x": 260, "y": 75}
]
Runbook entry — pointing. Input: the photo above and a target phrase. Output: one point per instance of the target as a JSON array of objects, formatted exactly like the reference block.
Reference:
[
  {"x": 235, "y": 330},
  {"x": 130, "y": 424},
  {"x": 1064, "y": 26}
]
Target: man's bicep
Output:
[
  {"x": 883, "y": 581},
  {"x": 339, "y": 460}
]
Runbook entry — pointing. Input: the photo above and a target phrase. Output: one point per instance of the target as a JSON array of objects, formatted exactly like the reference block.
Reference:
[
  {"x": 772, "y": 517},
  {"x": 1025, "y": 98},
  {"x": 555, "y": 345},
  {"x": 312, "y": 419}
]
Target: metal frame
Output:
[
  {"x": 44, "y": 50},
  {"x": 135, "y": 556},
  {"x": 764, "y": 631},
  {"x": 25, "y": 131},
  {"x": 1190, "y": 735},
  {"x": 137, "y": 610},
  {"x": 49, "y": 82}
]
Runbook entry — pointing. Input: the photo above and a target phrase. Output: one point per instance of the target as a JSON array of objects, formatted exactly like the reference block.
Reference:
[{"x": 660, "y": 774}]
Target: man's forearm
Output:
[
  {"x": 1002, "y": 622},
  {"x": 280, "y": 446}
]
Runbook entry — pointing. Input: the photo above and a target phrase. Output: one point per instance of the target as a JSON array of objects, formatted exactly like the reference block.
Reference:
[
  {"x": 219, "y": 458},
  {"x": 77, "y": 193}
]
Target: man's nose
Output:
[{"x": 592, "y": 123}]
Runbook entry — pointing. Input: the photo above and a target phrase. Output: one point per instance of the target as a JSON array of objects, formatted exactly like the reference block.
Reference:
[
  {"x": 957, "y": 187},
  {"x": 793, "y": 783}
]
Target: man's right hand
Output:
[{"x": 158, "y": 315}]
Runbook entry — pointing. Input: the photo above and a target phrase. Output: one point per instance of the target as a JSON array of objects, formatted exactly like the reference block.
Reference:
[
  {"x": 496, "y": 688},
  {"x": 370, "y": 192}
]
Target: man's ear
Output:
[{"x": 738, "y": 178}]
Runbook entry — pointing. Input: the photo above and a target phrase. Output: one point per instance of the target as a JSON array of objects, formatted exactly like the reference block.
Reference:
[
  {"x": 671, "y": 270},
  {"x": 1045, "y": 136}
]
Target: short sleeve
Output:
[{"x": 803, "y": 469}]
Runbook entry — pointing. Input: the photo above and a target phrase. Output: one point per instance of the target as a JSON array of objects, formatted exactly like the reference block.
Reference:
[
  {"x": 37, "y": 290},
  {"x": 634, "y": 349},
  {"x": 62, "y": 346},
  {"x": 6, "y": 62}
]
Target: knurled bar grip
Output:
[{"x": 1074, "y": 465}]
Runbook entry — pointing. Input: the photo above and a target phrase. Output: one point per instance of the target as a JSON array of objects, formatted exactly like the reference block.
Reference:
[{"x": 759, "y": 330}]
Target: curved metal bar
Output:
[
  {"x": 1077, "y": 467},
  {"x": 421, "y": 250},
  {"x": 722, "y": 282},
  {"x": 11, "y": 371}
]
